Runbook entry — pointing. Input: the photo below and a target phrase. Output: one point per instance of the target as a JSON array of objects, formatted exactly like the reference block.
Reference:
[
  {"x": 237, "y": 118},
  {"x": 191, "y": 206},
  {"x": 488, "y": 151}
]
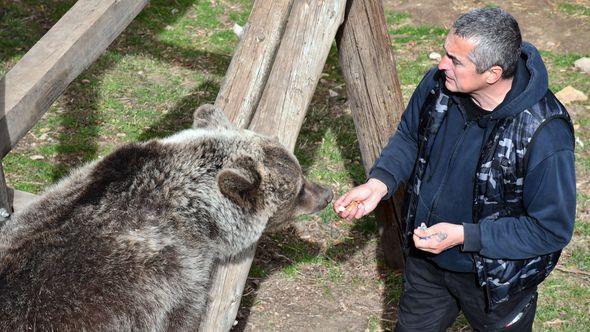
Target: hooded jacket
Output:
[{"x": 446, "y": 193}]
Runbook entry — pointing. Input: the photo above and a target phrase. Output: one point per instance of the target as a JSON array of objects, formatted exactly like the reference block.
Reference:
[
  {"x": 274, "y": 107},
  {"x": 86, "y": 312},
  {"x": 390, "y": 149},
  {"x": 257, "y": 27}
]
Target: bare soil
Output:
[
  {"x": 541, "y": 22},
  {"x": 363, "y": 296}
]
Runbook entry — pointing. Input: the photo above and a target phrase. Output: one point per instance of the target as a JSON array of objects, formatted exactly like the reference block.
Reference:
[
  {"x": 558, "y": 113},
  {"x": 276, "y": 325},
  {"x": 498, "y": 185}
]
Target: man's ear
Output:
[
  {"x": 241, "y": 183},
  {"x": 209, "y": 116},
  {"x": 494, "y": 74}
]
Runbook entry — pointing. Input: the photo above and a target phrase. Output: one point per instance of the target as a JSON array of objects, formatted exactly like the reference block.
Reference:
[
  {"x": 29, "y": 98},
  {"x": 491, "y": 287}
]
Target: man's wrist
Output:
[{"x": 378, "y": 187}]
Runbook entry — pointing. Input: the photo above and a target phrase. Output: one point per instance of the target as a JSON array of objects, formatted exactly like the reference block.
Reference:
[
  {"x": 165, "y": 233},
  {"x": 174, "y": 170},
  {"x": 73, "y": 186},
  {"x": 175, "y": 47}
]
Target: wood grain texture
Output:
[
  {"x": 368, "y": 66},
  {"x": 251, "y": 63},
  {"x": 4, "y": 199},
  {"x": 296, "y": 70},
  {"x": 68, "y": 48}
]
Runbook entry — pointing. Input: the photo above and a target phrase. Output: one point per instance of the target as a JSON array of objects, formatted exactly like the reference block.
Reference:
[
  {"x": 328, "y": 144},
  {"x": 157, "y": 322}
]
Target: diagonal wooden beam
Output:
[
  {"x": 296, "y": 70},
  {"x": 68, "y": 48},
  {"x": 252, "y": 61}
]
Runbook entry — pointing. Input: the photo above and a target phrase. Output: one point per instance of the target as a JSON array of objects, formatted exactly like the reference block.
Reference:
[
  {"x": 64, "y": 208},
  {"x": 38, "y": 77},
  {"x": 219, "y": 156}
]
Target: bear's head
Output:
[{"x": 262, "y": 177}]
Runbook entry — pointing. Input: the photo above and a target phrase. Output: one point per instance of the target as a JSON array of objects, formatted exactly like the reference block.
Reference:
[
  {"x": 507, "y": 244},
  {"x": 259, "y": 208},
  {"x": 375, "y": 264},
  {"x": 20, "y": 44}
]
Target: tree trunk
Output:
[{"x": 368, "y": 66}]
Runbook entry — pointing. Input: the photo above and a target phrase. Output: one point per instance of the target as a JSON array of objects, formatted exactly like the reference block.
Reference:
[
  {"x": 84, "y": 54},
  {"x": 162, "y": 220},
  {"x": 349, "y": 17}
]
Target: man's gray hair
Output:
[{"x": 496, "y": 37}]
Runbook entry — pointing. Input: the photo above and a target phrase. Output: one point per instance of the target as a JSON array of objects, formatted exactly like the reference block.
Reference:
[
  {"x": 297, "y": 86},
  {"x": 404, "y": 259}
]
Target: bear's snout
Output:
[{"x": 317, "y": 196}]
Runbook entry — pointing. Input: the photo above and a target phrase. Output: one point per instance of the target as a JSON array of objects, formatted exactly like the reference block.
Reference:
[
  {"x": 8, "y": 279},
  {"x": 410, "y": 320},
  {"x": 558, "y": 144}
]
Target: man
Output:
[{"x": 487, "y": 152}]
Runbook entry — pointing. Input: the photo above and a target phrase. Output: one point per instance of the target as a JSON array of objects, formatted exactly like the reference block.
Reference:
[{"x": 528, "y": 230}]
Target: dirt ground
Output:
[
  {"x": 541, "y": 22},
  {"x": 361, "y": 297}
]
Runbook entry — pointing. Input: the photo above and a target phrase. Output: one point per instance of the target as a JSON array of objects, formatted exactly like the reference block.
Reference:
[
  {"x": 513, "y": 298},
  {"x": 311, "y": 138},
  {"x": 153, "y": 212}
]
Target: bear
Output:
[{"x": 128, "y": 242}]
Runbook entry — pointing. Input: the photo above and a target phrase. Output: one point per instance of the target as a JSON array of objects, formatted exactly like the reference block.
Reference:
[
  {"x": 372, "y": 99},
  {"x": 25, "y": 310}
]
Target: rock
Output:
[
  {"x": 333, "y": 93},
  {"x": 569, "y": 94},
  {"x": 583, "y": 64},
  {"x": 434, "y": 56},
  {"x": 238, "y": 30}
]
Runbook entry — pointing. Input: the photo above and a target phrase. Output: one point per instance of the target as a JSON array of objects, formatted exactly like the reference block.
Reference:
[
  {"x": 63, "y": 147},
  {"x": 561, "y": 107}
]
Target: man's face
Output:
[{"x": 460, "y": 72}]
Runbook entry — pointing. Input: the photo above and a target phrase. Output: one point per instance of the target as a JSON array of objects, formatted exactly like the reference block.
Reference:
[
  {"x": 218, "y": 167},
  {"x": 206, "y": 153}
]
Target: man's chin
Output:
[{"x": 450, "y": 85}]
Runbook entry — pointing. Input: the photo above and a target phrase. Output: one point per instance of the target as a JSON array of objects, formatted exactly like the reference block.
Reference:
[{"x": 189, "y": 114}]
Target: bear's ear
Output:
[
  {"x": 240, "y": 183},
  {"x": 209, "y": 116}
]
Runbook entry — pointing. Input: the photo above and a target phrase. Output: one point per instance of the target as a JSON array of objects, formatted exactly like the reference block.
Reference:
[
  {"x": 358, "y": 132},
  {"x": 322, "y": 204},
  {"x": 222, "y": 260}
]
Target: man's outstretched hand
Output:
[{"x": 360, "y": 200}]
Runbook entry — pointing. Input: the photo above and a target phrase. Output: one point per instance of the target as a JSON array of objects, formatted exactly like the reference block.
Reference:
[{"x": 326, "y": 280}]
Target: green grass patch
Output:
[
  {"x": 562, "y": 73},
  {"x": 406, "y": 34},
  {"x": 394, "y": 18},
  {"x": 563, "y": 303},
  {"x": 574, "y": 9}
]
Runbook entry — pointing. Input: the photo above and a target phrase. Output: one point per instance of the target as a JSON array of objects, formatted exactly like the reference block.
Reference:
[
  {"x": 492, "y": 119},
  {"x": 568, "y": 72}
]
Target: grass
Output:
[
  {"x": 173, "y": 57},
  {"x": 574, "y": 9}
]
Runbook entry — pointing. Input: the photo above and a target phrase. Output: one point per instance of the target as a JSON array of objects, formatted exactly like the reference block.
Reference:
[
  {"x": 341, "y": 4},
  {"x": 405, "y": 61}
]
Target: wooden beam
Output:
[
  {"x": 68, "y": 48},
  {"x": 20, "y": 199},
  {"x": 296, "y": 70},
  {"x": 368, "y": 66},
  {"x": 238, "y": 97},
  {"x": 251, "y": 63},
  {"x": 5, "y": 208}
]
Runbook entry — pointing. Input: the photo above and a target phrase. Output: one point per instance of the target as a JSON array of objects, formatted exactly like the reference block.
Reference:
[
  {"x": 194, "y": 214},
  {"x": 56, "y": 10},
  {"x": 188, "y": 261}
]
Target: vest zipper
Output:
[{"x": 434, "y": 205}]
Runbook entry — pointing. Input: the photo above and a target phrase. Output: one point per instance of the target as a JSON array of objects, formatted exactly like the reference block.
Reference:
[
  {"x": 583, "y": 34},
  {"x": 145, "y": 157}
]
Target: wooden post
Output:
[
  {"x": 68, "y": 48},
  {"x": 297, "y": 68},
  {"x": 238, "y": 97},
  {"x": 5, "y": 208},
  {"x": 4, "y": 202},
  {"x": 252, "y": 61},
  {"x": 368, "y": 66},
  {"x": 295, "y": 73}
]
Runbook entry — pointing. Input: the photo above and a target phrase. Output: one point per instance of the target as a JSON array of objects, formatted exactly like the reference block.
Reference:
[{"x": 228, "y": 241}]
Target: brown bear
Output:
[{"x": 128, "y": 242}]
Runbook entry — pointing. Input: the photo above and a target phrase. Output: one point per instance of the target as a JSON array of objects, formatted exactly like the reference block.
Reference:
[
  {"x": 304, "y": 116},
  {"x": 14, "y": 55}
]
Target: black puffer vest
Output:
[{"x": 497, "y": 190}]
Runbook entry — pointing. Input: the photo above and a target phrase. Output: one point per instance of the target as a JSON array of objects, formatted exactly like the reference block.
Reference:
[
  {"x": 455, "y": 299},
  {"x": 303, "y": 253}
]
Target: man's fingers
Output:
[
  {"x": 360, "y": 211},
  {"x": 340, "y": 201}
]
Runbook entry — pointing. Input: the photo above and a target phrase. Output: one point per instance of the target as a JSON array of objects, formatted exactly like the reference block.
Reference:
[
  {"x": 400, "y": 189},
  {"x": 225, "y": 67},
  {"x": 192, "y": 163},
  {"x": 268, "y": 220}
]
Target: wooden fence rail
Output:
[{"x": 68, "y": 48}]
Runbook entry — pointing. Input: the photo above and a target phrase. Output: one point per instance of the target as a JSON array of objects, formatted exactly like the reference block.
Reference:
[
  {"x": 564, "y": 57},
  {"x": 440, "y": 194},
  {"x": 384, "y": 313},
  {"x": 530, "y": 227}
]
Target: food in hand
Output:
[{"x": 349, "y": 207}]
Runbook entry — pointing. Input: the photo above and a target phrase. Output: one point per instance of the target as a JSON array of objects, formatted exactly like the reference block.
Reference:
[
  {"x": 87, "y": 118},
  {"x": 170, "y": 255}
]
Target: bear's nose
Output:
[{"x": 326, "y": 195}]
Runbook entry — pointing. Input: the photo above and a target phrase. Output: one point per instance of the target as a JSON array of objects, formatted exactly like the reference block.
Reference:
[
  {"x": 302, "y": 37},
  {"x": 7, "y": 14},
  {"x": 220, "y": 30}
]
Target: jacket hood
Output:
[{"x": 535, "y": 89}]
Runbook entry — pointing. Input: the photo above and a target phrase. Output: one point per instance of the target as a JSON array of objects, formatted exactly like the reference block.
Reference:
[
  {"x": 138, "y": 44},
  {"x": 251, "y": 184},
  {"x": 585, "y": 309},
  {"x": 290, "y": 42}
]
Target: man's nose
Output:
[{"x": 444, "y": 63}]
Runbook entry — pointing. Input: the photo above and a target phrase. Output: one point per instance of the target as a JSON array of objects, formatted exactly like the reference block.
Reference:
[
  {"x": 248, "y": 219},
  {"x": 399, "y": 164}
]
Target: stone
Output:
[
  {"x": 569, "y": 95},
  {"x": 238, "y": 30},
  {"x": 434, "y": 56},
  {"x": 583, "y": 64}
]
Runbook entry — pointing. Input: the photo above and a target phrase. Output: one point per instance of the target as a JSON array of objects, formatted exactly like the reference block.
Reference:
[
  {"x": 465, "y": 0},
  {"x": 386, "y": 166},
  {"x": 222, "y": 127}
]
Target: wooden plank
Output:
[
  {"x": 5, "y": 208},
  {"x": 297, "y": 68},
  {"x": 68, "y": 48},
  {"x": 238, "y": 97},
  {"x": 21, "y": 199},
  {"x": 251, "y": 63},
  {"x": 368, "y": 66},
  {"x": 295, "y": 73}
]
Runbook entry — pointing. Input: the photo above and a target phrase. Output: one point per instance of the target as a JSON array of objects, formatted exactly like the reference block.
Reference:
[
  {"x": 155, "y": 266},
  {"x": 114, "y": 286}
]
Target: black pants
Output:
[{"x": 432, "y": 298}]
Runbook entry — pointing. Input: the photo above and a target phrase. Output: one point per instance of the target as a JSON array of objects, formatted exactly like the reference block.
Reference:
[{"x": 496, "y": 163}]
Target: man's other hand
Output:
[{"x": 438, "y": 238}]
